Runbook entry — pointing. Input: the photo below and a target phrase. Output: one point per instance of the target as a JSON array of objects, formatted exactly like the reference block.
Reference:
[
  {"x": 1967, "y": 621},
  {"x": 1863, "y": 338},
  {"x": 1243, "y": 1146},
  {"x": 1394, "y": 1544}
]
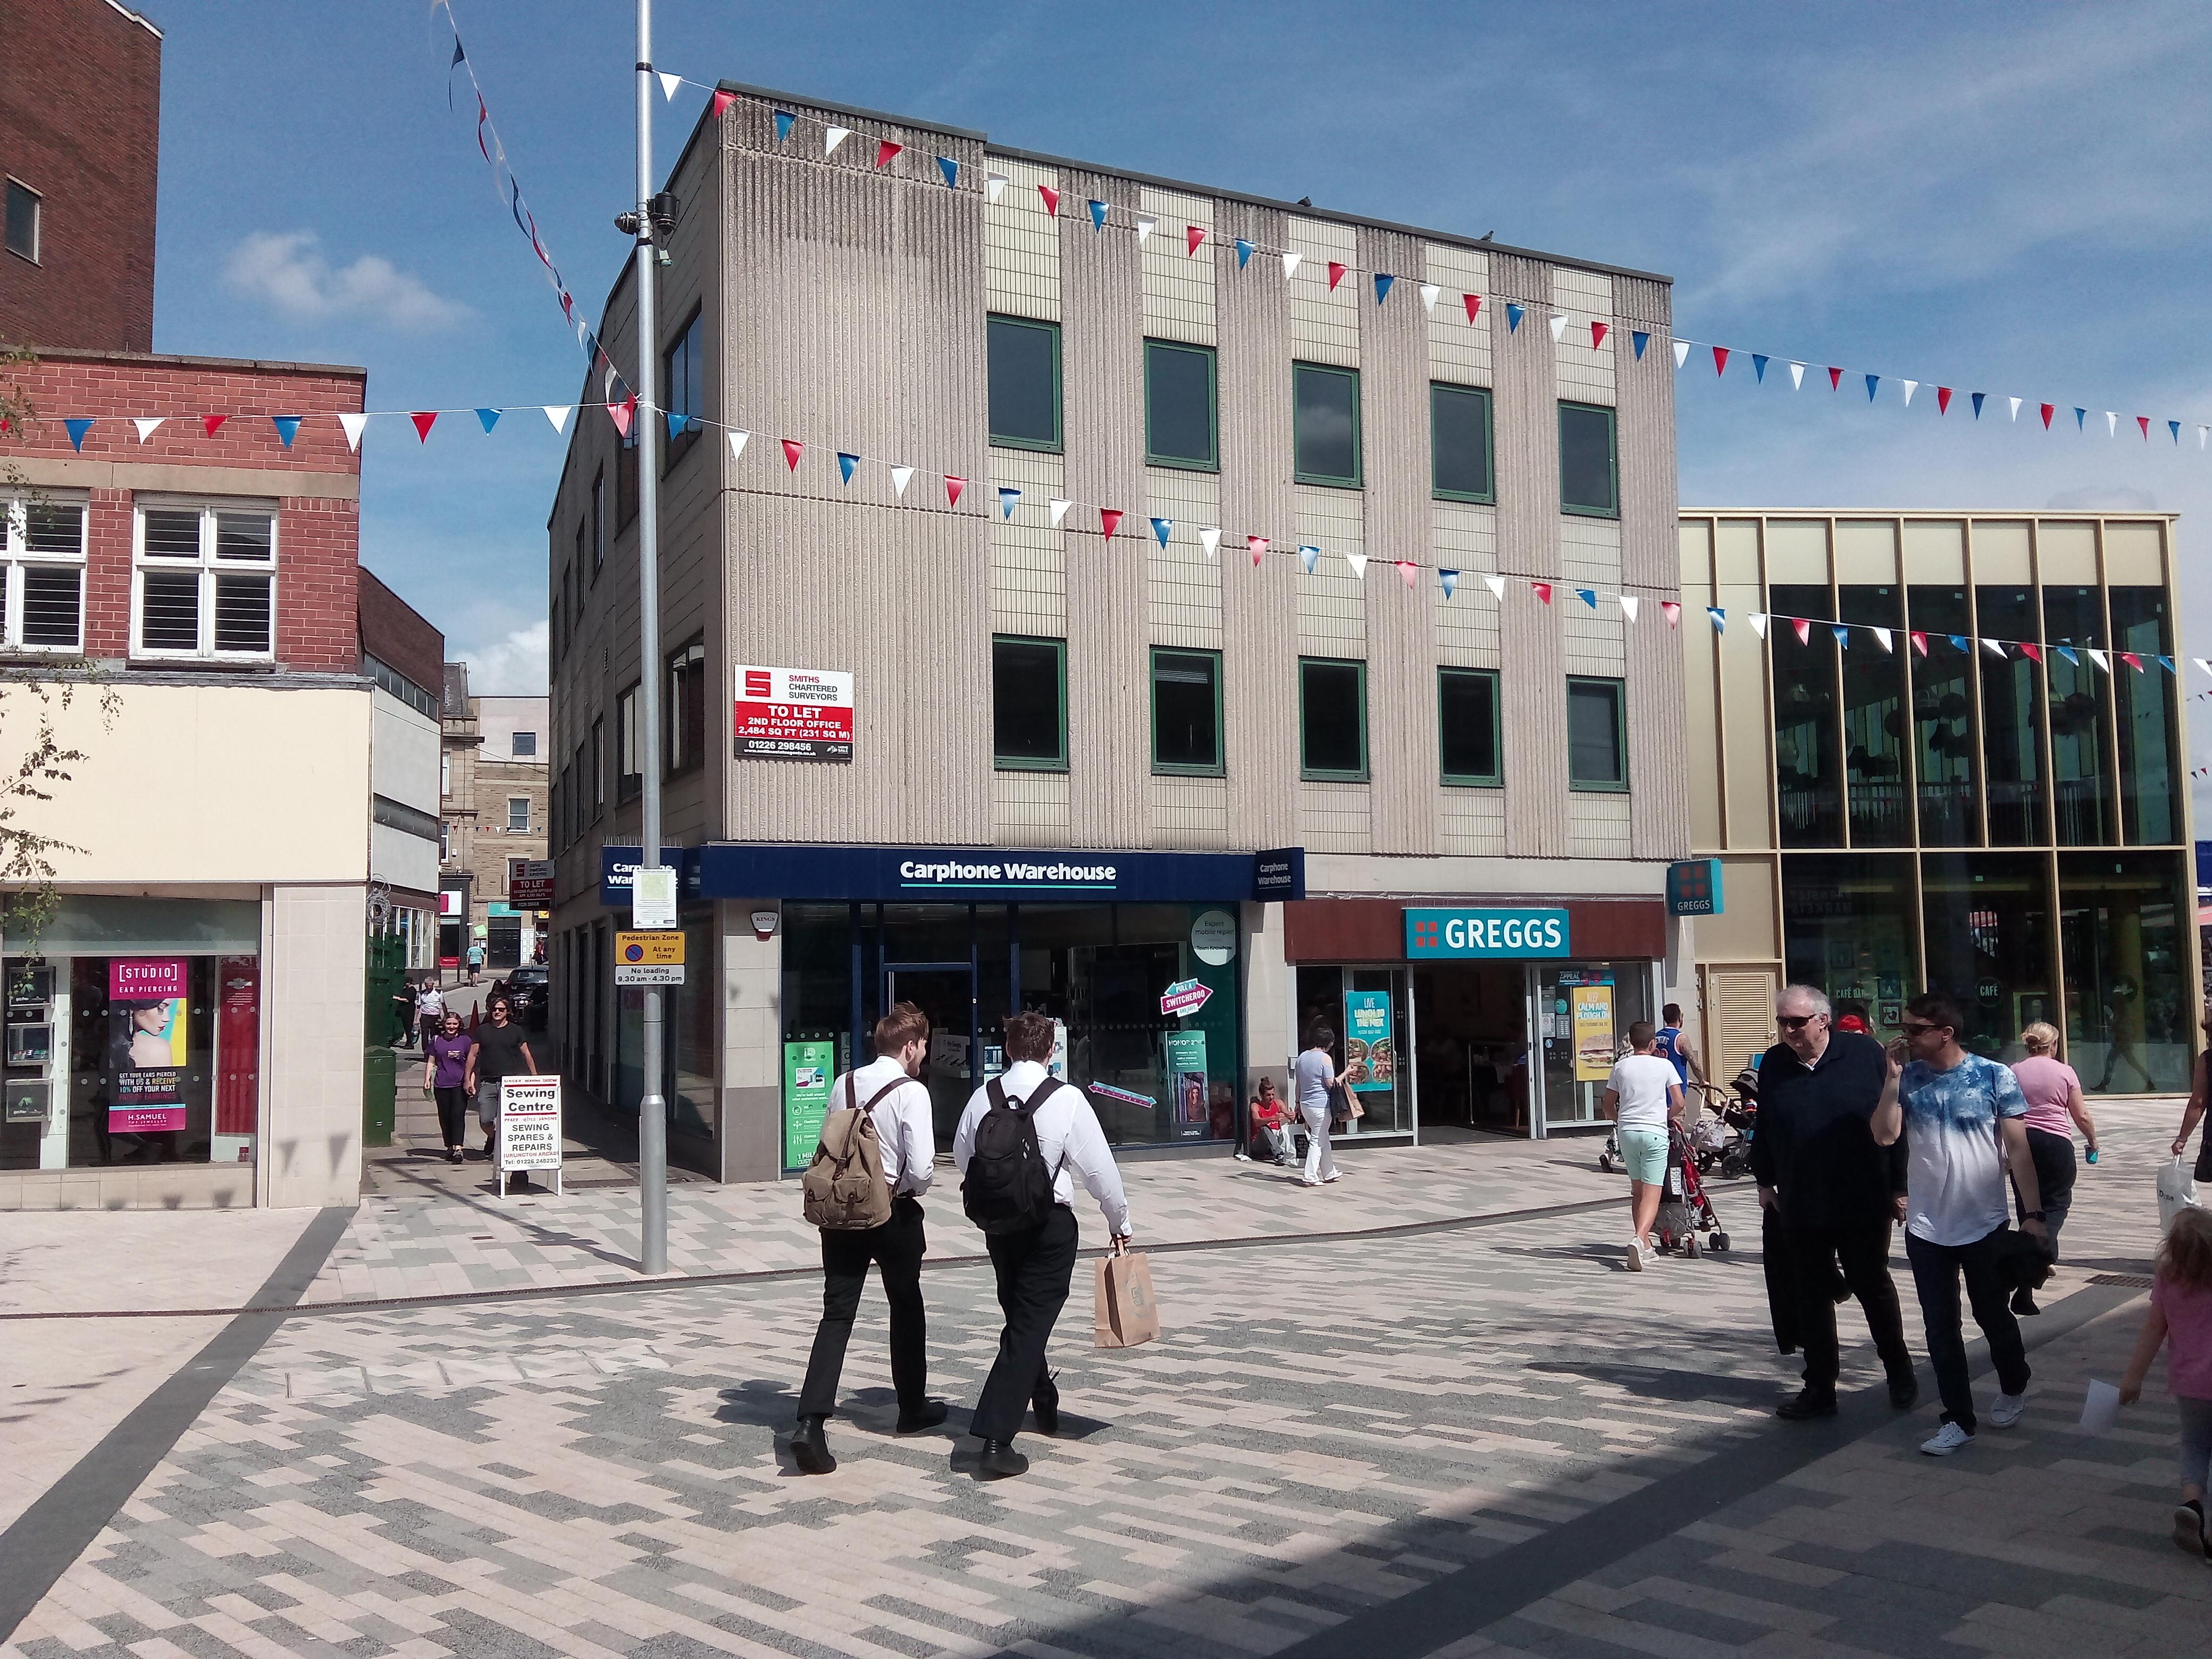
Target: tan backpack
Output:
[{"x": 844, "y": 1185}]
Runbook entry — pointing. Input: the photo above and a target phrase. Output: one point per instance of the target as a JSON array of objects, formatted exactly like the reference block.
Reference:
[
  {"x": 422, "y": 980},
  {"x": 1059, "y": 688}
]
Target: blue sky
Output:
[{"x": 1999, "y": 198}]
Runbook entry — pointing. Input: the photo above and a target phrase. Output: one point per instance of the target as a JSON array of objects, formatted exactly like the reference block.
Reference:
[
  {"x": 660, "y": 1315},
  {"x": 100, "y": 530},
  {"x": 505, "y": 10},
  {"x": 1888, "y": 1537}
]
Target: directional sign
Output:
[{"x": 1185, "y": 996}]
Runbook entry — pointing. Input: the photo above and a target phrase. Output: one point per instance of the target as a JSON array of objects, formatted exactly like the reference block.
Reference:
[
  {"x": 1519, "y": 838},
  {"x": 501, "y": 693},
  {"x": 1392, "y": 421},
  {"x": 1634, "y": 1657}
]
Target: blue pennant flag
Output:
[
  {"x": 1873, "y": 380},
  {"x": 1163, "y": 528},
  {"x": 846, "y": 464},
  {"x": 1639, "y": 339},
  {"x": 2079, "y": 416},
  {"x": 1587, "y": 596},
  {"x": 287, "y": 428},
  {"x": 1098, "y": 216},
  {"x": 1977, "y": 398},
  {"x": 1843, "y": 632},
  {"x": 2067, "y": 652},
  {"x": 1309, "y": 556},
  {"x": 1512, "y": 318},
  {"x": 488, "y": 416},
  {"x": 784, "y": 117},
  {"x": 2174, "y": 427},
  {"x": 679, "y": 424},
  {"x": 1449, "y": 578},
  {"x": 2166, "y": 662},
  {"x": 1759, "y": 367},
  {"x": 77, "y": 428},
  {"x": 1959, "y": 639},
  {"x": 1719, "y": 617},
  {"x": 1382, "y": 286},
  {"x": 1244, "y": 253},
  {"x": 1007, "y": 500},
  {"x": 950, "y": 169}
]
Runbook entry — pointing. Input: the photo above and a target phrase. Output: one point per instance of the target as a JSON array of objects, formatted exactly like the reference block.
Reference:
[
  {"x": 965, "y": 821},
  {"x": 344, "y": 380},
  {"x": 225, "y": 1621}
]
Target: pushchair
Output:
[{"x": 1684, "y": 1210}]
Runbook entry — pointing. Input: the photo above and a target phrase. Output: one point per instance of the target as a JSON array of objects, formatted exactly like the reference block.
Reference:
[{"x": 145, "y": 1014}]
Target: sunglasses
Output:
[
  {"x": 1797, "y": 1021},
  {"x": 1914, "y": 1028}
]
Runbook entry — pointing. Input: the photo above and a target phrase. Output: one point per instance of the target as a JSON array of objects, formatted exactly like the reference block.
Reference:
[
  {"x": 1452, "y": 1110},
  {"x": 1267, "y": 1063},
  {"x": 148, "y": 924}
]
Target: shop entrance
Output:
[
  {"x": 945, "y": 991},
  {"x": 1471, "y": 1057}
]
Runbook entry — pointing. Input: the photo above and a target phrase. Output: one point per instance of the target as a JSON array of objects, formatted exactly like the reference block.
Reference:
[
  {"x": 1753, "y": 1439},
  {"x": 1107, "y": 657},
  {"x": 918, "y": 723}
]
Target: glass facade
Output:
[
  {"x": 2012, "y": 721},
  {"x": 1807, "y": 768},
  {"x": 2131, "y": 1007},
  {"x": 1875, "y": 735}
]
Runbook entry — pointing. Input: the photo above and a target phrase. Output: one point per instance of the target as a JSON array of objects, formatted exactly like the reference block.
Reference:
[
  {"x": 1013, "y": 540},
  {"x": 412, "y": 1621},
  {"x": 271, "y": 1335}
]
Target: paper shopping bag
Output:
[{"x": 1124, "y": 1311}]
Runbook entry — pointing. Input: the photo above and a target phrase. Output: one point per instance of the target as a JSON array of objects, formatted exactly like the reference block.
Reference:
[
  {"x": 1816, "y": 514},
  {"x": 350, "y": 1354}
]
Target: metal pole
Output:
[{"x": 652, "y": 1110}]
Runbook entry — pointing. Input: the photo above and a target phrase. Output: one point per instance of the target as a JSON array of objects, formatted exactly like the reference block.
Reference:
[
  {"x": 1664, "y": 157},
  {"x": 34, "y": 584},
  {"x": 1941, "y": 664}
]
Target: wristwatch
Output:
[{"x": 2032, "y": 1215}]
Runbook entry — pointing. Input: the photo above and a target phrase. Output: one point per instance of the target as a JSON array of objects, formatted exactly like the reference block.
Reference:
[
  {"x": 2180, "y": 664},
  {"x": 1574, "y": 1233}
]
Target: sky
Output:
[{"x": 2000, "y": 198}]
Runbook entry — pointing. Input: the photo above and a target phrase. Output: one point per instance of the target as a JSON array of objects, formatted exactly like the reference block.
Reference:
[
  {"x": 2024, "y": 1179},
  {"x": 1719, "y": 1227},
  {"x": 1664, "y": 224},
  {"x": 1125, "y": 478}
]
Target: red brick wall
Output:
[
  {"x": 392, "y": 629},
  {"x": 318, "y": 536},
  {"x": 80, "y": 123}
]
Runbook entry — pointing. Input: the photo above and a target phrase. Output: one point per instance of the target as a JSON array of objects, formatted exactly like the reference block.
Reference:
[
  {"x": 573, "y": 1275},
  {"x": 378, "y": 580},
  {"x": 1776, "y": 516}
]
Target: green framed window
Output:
[
  {"x": 1460, "y": 443},
  {"x": 1597, "y": 733},
  {"x": 1325, "y": 421},
  {"x": 1589, "y": 461},
  {"x": 1028, "y": 704},
  {"x": 1467, "y": 726},
  {"x": 1179, "y": 429},
  {"x": 1024, "y": 373},
  {"x": 1187, "y": 712},
  {"x": 1333, "y": 719}
]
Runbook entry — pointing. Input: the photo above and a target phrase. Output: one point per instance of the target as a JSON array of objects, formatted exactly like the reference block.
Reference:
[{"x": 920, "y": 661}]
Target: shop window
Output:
[
  {"x": 2122, "y": 922},
  {"x": 1589, "y": 466},
  {"x": 2012, "y": 714},
  {"x": 1332, "y": 720},
  {"x": 1179, "y": 406},
  {"x": 1186, "y": 711},
  {"x": 687, "y": 708},
  {"x": 1365, "y": 1008},
  {"x": 629, "y": 773},
  {"x": 2150, "y": 804},
  {"x": 1467, "y": 726},
  {"x": 1874, "y": 718},
  {"x": 682, "y": 394},
  {"x": 1325, "y": 424},
  {"x": 206, "y": 583},
  {"x": 1849, "y": 927},
  {"x": 43, "y": 587},
  {"x": 1028, "y": 704},
  {"x": 24, "y": 206},
  {"x": 2082, "y": 794},
  {"x": 1597, "y": 734},
  {"x": 1943, "y": 740},
  {"x": 1809, "y": 771},
  {"x": 1460, "y": 443},
  {"x": 1990, "y": 944},
  {"x": 1024, "y": 383},
  {"x": 1588, "y": 1008}
]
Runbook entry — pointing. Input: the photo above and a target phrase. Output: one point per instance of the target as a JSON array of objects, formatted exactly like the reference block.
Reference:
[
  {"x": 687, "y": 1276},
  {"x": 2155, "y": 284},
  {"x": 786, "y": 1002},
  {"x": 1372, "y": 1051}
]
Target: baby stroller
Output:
[{"x": 1684, "y": 1210}]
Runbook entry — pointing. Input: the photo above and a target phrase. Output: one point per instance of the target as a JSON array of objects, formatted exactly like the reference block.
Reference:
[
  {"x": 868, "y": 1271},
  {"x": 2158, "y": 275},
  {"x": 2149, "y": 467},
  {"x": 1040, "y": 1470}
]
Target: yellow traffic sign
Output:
[{"x": 650, "y": 949}]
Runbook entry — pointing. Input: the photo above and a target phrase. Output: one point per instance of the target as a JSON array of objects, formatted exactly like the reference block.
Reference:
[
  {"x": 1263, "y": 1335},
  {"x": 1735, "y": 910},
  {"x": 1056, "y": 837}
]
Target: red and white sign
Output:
[
  {"x": 794, "y": 714},
  {"x": 530, "y": 883}
]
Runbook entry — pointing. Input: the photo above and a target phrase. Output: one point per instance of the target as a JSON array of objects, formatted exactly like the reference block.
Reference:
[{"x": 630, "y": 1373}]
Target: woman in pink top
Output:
[
  {"x": 2181, "y": 1318},
  {"x": 2054, "y": 1109}
]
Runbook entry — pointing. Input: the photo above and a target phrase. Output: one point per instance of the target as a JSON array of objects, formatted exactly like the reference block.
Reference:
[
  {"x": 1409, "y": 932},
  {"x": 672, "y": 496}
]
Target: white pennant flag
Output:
[
  {"x": 2014, "y": 402},
  {"x": 994, "y": 186},
  {"x": 833, "y": 138},
  {"x": 1995, "y": 647},
  {"x": 1291, "y": 265},
  {"x": 1497, "y": 586},
  {"x": 1558, "y": 330},
  {"x": 900, "y": 477},
  {"x": 1796, "y": 377},
  {"x": 1359, "y": 564},
  {"x": 353, "y": 424},
  {"x": 1059, "y": 511},
  {"x": 1429, "y": 293},
  {"x": 2112, "y": 424},
  {"x": 1146, "y": 224},
  {"x": 558, "y": 415},
  {"x": 668, "y": 84},
  {"x": 1209, "y": 538},
  {"x": 1882, "y": 634},
  {"x": 738, "y": 437},
  {"x": 146, "y": 427},
  {"x": 1682, "y": 353},
  {"x": 2204, "y": 663},
  {"x": 1628, "y": 606},
  {"x": 2097, "y": 658},
  {"x": 2200, "y": 431},
  {"x": 1758, "y": 623},
  {"x": 1911, "y": 386}
]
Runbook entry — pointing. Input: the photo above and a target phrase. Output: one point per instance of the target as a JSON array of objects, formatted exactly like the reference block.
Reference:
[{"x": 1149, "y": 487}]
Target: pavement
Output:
[{"x": 1424, "y": 1411}]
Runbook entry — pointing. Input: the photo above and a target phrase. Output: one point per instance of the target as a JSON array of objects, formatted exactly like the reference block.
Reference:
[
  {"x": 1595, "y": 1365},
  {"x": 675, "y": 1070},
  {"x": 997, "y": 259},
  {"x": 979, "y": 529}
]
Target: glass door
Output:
[{"x": 945, "y": 991}]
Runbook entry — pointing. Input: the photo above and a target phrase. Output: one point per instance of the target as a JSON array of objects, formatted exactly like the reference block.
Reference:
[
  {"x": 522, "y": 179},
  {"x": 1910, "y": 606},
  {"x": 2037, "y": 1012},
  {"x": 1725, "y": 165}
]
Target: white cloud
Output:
[
  {"x": 511, "y": 666},
  {"x": 289, "y": 272}
]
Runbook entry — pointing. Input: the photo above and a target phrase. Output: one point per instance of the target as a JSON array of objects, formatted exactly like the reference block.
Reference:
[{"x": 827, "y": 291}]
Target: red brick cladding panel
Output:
[
  {"x": 80, "y": 123},
  {"x": 1374, "y": 930},
  {"x": 394, "y": 631}
]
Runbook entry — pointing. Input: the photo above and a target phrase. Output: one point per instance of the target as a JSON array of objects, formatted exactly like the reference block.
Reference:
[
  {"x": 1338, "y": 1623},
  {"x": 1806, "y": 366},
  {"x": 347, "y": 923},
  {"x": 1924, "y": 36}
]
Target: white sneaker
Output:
[
  {"x": 1334, "y": 1175},
  {"x": 1946, "y": 1440},
  {"x": 2008, "y": 1409},
  {"x": 1635, "y": 1255},
  {"x": 1243, "y": 1157}
]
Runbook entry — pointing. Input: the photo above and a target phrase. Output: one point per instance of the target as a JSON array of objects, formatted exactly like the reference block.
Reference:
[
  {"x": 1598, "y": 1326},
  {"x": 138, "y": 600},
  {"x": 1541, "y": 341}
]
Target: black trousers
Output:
[
  {"x": 2053, "y": 1156},
  {"x": 1937, "y": 1269},
  {"x": 453, "y": 1115},
  {"x": 896, "y": 1247},
  {"x": 1863, "y": 1253},
  {"x": 1034, "y": 1270}
]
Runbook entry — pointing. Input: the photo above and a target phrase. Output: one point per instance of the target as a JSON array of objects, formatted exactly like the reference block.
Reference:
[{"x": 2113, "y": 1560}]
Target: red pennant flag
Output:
[
  {"x": 2143, "y": 421},
  {"x": 1193, "y": 235},
  {"x": 622, "y": 413},
  {"x": 1336, "y": 275},
  {"x": 953, "y": 487},
  {"x": 1051, "y": 200},
  {"x": 2031, "y": 650},
  {"x": 212, "y": 422},
  {"x": 1258, "y": 546},
  {"x": 722, "y": 102},
  {"x": 1473, "y": 302},
  {"x": 1720, "y": 360},
  {"x": 2132, "y": 660},
  {"x": 1542, "y": 590},
  {"x": 792, "y": 451},
  {"x": 424, "y": 420},
  {"x": 1920, "y": 643},
  {"x": 2049, "y": 410},
  {"x": 1835, "y": 380},
  {"x": 1943, "y": 400},
  {"x": 1110, "y": 520},
  {"x": 1673, "y": 612},
  {"x": 1598, "y": 331},
  {"x": 1803, "y": 627},
  {"x": 1408, "y": 573},
  {"x": 886, "y": 149}
]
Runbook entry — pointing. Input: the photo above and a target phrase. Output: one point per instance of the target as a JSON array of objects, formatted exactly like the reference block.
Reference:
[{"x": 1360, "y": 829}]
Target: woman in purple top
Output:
[
  {"x": 444, "y": 1072},
  {"x": 2055, "y": 1110}
]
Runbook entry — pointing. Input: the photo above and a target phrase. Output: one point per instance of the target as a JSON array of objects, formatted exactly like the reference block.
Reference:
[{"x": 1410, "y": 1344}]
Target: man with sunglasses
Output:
[
  {"x": 1963, "y": 1120},
  {"x": 1836, "y": 1192}
]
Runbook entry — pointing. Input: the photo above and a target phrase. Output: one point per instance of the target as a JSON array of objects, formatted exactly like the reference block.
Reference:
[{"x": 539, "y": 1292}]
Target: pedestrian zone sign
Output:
[{"x": 652, "y": 957}]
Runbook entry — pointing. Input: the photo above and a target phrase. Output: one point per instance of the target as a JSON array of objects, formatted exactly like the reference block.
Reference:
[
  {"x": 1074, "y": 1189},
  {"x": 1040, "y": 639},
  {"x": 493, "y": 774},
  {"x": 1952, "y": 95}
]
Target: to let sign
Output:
[
  {"x": 1185, "y": 996},
  {"x": 649, "y": 958},
  {"x": 530, "y": 883},
  {"x": 793, "y": 713}
]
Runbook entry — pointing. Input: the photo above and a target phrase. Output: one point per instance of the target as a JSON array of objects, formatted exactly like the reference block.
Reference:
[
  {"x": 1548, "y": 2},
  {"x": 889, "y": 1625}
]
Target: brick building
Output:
[{"x": 79, "y": 150}]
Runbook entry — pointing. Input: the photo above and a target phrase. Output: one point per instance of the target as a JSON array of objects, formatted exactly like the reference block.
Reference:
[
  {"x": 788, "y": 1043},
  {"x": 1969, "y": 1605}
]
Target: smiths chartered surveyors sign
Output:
[
  {"x": 1517, "y": 933},
  {"x": 793, "y": 713}
]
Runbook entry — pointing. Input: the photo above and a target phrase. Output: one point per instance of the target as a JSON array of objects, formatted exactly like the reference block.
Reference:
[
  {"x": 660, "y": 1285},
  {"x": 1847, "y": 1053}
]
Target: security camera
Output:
[{"x": 626, "y": 224}]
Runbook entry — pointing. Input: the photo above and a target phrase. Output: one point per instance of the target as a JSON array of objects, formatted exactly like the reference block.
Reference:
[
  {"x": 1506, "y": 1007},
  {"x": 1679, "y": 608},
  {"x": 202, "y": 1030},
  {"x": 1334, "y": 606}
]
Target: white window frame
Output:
[
  {"x": 209, "y": 567},
  {"x": 14, "y": 543},
  {"x": 512, "y": 827}
]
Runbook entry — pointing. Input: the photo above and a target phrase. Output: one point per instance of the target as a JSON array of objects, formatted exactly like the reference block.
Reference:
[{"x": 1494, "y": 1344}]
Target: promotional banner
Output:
[
  {"x": 793, "y": 713},
  {"x": 1186, "y": 1057},
  {"x": 147, "y": 1019},
  {"x": 1371, "y": 1054},
  {"x": 807, "y": 1075},
  {"x": 1594, "y": 1043}
]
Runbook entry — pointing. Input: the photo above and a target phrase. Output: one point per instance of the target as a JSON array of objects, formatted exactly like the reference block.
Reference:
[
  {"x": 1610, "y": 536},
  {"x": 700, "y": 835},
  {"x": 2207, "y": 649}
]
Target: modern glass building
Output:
[{"x": 1945, "y": 751}]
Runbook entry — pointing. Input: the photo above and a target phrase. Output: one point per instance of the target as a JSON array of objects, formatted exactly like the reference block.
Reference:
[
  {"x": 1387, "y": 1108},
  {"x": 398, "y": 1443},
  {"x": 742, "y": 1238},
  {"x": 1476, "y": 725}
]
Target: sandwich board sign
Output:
[{"x": 529, "y": 1127}]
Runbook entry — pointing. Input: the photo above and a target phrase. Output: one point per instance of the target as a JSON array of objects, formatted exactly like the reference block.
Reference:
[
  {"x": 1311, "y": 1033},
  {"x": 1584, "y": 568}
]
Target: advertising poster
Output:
[
  {"x": 1186, "y": 1055},
  {"x": 1370, "y": 1051},
  {"x": 147, "y": 1017},
  {"x": 806, "y": 1080},
  {"x": 1593, "y": 1022},
  {"x": 529, "y": 1124},
  {"x": 793, "y": 713}
]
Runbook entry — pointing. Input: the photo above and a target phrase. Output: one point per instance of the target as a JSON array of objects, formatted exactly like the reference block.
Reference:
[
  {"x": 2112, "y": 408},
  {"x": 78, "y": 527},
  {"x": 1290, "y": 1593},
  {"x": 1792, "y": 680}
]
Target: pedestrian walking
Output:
[
  {"x": 2200, "y": 1094},
  {"x": 1836, "y": 1192},
  {"x": 446, "y": 1078},
  {"x": 1024, "y": 1141},
  {"x": 1963, "y": 1120},
  {"x": 1673, "y": 1044},
  {"x": 2054, "y": 1110},
  {"x": 2180, "y": 1319},
  {"x": 889, "y": 1091},
  {"x": 430, "y": 1012},
  {"x": 1642, "y": 1096},
  {"x": 476, "y": 961},
  {"x": 1316, "y": 1082},
  {"x": 1270, "y": 1127},
  {"x": 501, "y": 1050}
]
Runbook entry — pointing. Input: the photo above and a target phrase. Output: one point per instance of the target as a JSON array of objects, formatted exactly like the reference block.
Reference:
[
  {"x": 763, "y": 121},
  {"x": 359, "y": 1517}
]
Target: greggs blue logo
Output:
[{"x": 1508, "y": 933}]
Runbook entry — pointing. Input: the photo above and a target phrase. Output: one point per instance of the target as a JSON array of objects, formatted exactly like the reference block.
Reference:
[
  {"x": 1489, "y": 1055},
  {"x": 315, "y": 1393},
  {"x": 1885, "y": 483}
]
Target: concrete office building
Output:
[
  {"x": 1994, "y": 806},
  {"x": 493, "y": 789},
  {"x": 1083, "y": 768}
]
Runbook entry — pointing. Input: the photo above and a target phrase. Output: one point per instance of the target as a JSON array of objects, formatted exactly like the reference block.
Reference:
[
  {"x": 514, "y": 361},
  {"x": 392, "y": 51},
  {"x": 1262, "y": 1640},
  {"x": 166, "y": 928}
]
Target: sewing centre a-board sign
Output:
[{"x": 529, "y": 1127}]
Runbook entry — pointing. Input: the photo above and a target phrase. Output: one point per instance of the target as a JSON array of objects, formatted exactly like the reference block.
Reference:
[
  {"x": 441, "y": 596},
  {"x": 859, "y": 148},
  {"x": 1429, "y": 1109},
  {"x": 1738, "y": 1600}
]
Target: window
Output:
[
  {"x": 391, "y": 681},
  {"x": 43, "y": 589},
  {"x": 445, "y": 772},
  {"x": 598, "y": 521},
  {"x": 525, "y": 745},
  {"x": 1590, "y": 470},
  {"x": 1597, "y": 745},
  {"x": 597, "y": 764},
  {"x": 553, "y": 620},
  {"x": 1028, "y": 704},
  {"x": 445, "y": 840},
  {"x": 687, "y": 708},
  {"x": 1024, "y": 383},
  {"x": 1186, "y": 711},
  {"x": 629, "y": 775},
  {"x": 206, "y": 583},
  {"x": 574, "y": 786},
  {"x": 1460, "y": 443},
  {"x": 682, "y": 394},
  {"x": 22, "y": 221},
  {"x": 626, "y": 495},
  {"x": 1332, "y": 720},
  {"x": 1467, "y": 726},
  {"x": 518, "y": 813},
  {"x": 1179, "y": 409},
  {"x": 1326, "y": 424}
]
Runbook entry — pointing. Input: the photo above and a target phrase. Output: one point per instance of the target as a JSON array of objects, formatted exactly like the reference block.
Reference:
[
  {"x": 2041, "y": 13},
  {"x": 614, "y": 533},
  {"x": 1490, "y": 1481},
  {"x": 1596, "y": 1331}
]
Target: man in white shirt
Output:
[
  {"x": 430, "y": 1012},
  {"x": 1036, "y": 1264},
  {"x": 1642, "y": 1096},
  {"x": 907, "y": 1135}
]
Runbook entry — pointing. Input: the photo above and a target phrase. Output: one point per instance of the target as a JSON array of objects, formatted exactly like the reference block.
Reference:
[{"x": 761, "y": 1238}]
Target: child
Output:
[
  {"x": 2181, "y": 1309},
  {"x": 1267, "y": 1124}
]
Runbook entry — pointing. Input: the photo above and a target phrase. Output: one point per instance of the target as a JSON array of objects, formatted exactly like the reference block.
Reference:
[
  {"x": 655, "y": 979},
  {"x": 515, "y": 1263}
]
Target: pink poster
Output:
[{"x": 146, "y": 1030}]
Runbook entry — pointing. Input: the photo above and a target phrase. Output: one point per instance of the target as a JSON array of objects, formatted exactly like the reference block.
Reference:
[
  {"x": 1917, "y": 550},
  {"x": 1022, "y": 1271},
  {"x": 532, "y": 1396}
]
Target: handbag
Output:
[
  {"x": 1341, "y": 1106},
  {"x": 1123, "y": 1312},
  {"x": 2177, "y": 1191}
]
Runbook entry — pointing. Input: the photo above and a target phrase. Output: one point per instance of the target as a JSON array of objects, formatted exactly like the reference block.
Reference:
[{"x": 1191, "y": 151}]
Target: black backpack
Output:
[{"x": 1007, "y": 1189}]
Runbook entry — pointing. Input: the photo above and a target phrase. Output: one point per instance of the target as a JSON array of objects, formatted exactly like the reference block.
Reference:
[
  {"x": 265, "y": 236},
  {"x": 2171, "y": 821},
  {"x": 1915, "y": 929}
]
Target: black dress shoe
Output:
[
  {"x": 1806, "y": 1404},
  {"x": 927, "y": 1415},
  {"x": 1044, "y": 1401},
  {"x": 810, "y": 1447},
  {"x": 1000, "y": 1460},
  {"x": 1904, "y": 1391},
  {"x": 2023, "y": 1301}
]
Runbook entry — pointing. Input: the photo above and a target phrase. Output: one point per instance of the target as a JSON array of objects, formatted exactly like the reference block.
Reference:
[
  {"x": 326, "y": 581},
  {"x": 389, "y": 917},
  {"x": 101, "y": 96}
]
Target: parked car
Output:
[{"x": 530, "y": 989}]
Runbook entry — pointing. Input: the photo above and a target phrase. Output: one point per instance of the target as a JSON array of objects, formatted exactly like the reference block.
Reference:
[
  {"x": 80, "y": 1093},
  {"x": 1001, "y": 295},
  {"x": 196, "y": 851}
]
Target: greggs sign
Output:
[{"x": 1516, "y": 933}]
